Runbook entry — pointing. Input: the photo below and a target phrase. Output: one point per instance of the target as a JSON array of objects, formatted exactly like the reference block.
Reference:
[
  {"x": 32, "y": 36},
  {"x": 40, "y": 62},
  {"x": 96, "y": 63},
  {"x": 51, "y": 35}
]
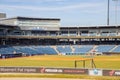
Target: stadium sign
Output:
[
  {"x": 111, "y": 72},
  {"x": 95, "y": 72},
  {"x": 19, "y": 70},
  {"x": 75, "y": 71},
  {"x": 64, "y": 70},
  {"x": 51, "y": 70}
]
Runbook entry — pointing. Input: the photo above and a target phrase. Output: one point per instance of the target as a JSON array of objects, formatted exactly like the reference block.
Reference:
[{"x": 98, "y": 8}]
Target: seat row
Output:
[{"x": 63, "y": 49}]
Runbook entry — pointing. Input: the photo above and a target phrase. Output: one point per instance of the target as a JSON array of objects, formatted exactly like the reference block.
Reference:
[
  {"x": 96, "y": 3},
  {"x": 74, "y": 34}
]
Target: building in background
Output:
[
  {"x": 2, "y": 15},
  {"x": 29, "y": 23}
]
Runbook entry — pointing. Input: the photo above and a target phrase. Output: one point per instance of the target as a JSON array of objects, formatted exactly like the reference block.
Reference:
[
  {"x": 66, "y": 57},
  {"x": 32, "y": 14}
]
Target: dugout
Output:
[
  {"x": 111, "y": 53},
  {"x": 3, "y": 56}
]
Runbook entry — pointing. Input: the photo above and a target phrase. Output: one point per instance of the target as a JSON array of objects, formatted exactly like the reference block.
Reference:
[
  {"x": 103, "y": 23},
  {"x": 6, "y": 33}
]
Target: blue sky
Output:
[{"x": 71, "y": 12}]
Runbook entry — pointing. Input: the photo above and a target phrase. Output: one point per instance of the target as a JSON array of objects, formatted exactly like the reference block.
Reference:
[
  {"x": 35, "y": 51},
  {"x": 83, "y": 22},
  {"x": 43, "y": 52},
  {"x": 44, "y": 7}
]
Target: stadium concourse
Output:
[{"x": 27, "y": 36}]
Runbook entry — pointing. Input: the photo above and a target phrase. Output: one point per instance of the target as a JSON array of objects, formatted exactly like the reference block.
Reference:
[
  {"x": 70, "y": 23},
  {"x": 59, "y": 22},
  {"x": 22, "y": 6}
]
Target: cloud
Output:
[
  {"x": 39, "y": 1},
  {"x": 54, "y": 0},
  {"x": 48, "y": 8}
]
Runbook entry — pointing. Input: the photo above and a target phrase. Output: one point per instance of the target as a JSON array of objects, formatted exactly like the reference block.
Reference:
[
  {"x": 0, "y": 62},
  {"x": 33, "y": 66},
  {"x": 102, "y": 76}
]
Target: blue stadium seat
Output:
[
  {"x": 83, "y": 49},
  {"x": 104, "y": 48},
  {"x": 64, "y": 49},
  {"x": 7, "y": 49},
  {"x": 37, "y": 50},
  {"x": 84, "y": 34},
  {"x": 104, "y": 34},
  {"x": 112, "y": 34},
  {"x": 92, "y": 34},
  {"x": 28, "y": 50},
  {"x": 117, "y": 49},
  {"x": 49, "y": 50},
  {"x": 45, "y": 50}
]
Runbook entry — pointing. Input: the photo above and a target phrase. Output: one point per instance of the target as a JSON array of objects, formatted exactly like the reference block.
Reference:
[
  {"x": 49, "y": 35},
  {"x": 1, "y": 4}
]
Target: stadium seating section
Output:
[
  {"x": 117, "y": 49},
  {"x": 64, "y": 49},
  {"x": 104, "y": 48},
  {"x": 82, "y": 49},
  {"x": 55, "y": 50}
]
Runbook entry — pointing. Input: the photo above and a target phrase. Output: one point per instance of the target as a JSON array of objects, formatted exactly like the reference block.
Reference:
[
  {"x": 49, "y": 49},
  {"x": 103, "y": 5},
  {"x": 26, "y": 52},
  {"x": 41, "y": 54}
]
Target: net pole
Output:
[
  {"x": 75, "y": 63},
  {"x": 84, "y": 63}
]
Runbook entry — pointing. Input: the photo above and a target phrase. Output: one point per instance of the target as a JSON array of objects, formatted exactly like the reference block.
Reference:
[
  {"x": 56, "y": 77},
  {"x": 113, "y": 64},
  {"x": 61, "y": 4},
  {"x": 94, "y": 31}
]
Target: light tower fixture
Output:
[
  {"x": 116, "y": 8},
  {"x": 108, "y": 8}
]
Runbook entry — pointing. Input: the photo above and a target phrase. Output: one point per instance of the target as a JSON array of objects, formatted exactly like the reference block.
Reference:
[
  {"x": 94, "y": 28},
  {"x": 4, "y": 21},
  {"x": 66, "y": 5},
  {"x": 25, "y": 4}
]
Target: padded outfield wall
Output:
[{"x": 91, "y": 72}]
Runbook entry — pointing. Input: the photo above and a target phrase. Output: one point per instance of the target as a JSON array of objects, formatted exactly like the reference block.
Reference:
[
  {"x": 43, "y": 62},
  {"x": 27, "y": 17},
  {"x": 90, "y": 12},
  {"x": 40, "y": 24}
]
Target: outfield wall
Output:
[{"x": 91, "y": 72}]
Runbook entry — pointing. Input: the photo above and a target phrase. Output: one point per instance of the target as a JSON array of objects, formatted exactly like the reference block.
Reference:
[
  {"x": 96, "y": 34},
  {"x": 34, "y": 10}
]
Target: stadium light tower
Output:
[
  {"x": 108, "y": 8},
  {"x": 116, "y": 8}
]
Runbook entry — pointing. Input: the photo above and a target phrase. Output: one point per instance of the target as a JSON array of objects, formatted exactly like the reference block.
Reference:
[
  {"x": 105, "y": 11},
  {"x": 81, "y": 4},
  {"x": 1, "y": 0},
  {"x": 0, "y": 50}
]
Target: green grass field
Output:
[{"x": 104, "y": 62}]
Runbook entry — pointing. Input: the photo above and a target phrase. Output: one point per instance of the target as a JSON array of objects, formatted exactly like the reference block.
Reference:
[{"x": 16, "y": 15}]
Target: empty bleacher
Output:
[
  {"x": 104, "y": 48},
  {"x": 48, "y": 50},
  {"x": 83, "y": 49},
  {"x": 64, "y": 49},
  {"x": 112, "y": 34},
  {"x": 117, "y": 49},
  {"x": 59, "y": 49},
  {"x": 92, "y": 33},
  {"x": 6, "y": 49},
  {"x": 28, "y": 50}
]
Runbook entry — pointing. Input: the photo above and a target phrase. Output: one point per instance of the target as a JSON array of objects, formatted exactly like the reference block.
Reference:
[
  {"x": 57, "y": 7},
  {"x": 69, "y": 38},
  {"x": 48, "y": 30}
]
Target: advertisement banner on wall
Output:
[
  {"x": 42, "y": 70},
  {"x": 111, "y": 72},
  {"x": 95, "y": 72},
  {"x": 51, "y": 70},
  {"x": 75, "y": 71},
  {"x": 19, "y": 70}
]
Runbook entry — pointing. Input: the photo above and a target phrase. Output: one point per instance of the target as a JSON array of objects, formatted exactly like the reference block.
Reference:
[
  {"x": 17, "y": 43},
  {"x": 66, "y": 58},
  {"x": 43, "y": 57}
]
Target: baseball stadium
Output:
[{"x": 42, "y": 44}]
